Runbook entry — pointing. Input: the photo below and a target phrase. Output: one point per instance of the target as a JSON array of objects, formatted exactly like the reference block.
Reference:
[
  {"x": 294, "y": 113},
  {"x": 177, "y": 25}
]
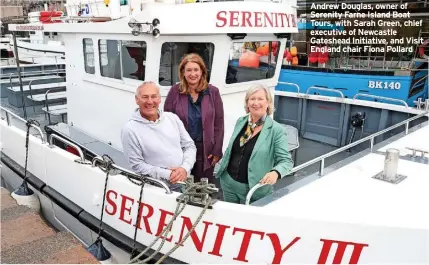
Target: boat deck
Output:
[
  {"x": 40, "y": 117},
  {"x": 26, "y": 238},
  {"x": 361, "y": 195}
]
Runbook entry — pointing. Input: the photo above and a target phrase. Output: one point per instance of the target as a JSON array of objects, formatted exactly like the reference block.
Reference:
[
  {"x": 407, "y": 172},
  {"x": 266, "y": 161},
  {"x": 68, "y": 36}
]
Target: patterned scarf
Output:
[{"x": 250, "y": 129}]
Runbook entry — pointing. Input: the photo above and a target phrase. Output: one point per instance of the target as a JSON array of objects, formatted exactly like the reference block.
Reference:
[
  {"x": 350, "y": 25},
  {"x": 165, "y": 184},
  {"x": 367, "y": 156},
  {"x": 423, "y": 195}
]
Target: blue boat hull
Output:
[{"x": 390, "y": 84}]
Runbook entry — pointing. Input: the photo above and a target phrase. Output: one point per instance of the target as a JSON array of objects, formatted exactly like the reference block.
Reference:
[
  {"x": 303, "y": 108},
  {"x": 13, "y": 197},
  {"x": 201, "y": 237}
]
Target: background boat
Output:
[{"x": 389, "y": 77}]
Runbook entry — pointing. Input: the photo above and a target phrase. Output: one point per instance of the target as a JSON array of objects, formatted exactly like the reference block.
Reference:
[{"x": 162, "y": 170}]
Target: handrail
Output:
[
  {"x": 324, "y": 89},
  {"x": 379, "y": 97},
  {"x": 31, "y": 73},
  {"x": 370, "y": 138},
  {"x": 11, "y": 61},
  {"x": 8, "y": 112},
  {"x": 10, "y": 80},
  {"x": 252, "y": 190},
  {"x": 45, "y": 78},
  {"x": 52, "y": 136},
  {"x": 47, "y": 106},
  {"x": 133, "y": 175},
  {"x": 31, "y": 82},
  {"x": 289, "y": 84},
  {"x": 31, "y": 92}
]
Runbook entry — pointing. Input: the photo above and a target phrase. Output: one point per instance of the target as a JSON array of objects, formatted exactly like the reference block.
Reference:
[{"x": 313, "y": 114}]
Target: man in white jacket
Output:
[{"x": 156, "y": 143}]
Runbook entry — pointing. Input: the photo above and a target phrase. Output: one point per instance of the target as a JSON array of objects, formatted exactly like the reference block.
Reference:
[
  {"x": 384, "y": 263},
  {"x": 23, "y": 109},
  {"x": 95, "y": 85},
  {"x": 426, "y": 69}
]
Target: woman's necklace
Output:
[{"x": 194, "y": 97}]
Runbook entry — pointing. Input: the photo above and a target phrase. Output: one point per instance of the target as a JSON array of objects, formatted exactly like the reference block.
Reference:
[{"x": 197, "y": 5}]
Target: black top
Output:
[
  {"x": 240, "y": 156},
  {"x": 195, "y": 125}
]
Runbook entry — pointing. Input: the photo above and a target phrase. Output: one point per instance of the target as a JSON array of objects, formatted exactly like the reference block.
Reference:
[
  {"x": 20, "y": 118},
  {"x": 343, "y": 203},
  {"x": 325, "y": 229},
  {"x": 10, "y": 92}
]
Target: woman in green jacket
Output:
[{"x": 257, "y": 152}]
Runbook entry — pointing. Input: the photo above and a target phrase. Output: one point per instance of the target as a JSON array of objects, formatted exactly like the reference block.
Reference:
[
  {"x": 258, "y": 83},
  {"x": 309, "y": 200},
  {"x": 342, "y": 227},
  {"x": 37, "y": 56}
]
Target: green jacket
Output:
[{"x": 270, "y": 152}]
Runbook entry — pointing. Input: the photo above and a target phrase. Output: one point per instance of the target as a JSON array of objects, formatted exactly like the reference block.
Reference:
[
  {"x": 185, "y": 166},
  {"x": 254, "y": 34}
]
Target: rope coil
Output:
[{"x": 192, "y": 190}]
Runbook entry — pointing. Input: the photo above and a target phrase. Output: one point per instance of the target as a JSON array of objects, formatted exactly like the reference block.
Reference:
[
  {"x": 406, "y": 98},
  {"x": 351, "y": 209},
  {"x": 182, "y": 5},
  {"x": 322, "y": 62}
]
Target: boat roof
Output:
[
  {"x": 350, "y": 194},
  {"x": 204, "y": 18}
]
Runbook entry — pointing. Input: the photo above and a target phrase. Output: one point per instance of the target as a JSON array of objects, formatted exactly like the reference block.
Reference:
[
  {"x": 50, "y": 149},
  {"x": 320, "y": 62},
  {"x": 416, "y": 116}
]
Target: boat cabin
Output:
[
  {"x": 106, "y": 61},
  {"x": 390, "y": 73}
]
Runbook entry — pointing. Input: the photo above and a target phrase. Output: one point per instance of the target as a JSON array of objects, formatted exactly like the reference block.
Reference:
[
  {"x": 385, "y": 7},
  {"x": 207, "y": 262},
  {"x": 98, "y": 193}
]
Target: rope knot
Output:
[
  {"x": 32, "y": 122},
  {"x": 108, "y": 162}
]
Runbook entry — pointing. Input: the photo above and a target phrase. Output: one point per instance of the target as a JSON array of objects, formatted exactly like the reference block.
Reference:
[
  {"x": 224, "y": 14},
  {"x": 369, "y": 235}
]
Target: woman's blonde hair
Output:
[
  {"x": 256, "y": 88},
  {"x": 194, "y": 58}
]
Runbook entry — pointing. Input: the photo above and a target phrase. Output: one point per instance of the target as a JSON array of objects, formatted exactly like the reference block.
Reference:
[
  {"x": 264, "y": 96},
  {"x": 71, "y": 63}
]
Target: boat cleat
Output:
[
  {"x": 197, "y": 194},
  {"x": 389, "y": 173}
]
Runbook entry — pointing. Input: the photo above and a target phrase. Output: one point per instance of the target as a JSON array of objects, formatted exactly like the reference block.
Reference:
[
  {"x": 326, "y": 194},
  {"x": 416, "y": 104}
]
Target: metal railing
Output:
[
  {"x": 379, "y": 97},
  {"x": 39, "y": 79},
  {"x": 33, "y": 73},
  {"x": 370, "y": 138},
  {"x": 289, "y": 84},
  {"x": 59, "y": 138},
  {"x": 12, "y": 61},
  {"x": 153, "y": 181},
  {"x": 251, "y": 191},
  {"x": 322, "y": 158},
  {"x": 324, "y": 89},
  {"x": 8, "y": 121},
  {"x": 355, "y": 96},
  {"x": 81, "y": 159}
]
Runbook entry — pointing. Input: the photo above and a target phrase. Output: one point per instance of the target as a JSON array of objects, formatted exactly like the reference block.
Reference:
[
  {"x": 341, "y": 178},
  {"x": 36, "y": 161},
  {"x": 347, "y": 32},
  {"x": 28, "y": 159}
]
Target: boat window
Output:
[
  {"x": 133, "y": 59},
  {"x": 250, "y": 61},
  {"x": 110, "y": 61},
  {"x": 122, "y": 59},
  {"x": 173, "y": 52},
  {"x": 88, "y": 56}
]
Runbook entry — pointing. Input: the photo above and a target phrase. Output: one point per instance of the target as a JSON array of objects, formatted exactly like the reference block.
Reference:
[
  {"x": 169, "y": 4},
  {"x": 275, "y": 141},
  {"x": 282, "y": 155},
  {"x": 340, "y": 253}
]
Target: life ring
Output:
[
  {"x": 422, "y": 49},
  {"x": 51, "y": 14}
]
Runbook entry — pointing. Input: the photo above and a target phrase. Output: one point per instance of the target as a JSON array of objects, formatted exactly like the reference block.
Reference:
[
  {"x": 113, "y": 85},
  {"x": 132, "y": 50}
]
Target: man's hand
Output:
[
  {"x": 178, "y": 174},
  {"x": 269, "y": 178},
  {"x": 214, "y": 160}
]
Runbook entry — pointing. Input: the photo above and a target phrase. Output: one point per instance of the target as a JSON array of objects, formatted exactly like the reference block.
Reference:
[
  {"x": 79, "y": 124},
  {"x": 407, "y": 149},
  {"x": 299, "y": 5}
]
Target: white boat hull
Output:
[
  {"x": 228, "y": 233},
  {"x": 60, "y": 218}
]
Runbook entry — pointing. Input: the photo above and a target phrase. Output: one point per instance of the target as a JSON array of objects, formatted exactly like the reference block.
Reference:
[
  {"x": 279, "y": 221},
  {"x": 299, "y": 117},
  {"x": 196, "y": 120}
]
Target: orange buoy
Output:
[
  {"x": 295, "y": 60},
  {"x": 263, "y": 50},
  {"x": 293, "y": 51},
  {"x": 249, "y": 59}
]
